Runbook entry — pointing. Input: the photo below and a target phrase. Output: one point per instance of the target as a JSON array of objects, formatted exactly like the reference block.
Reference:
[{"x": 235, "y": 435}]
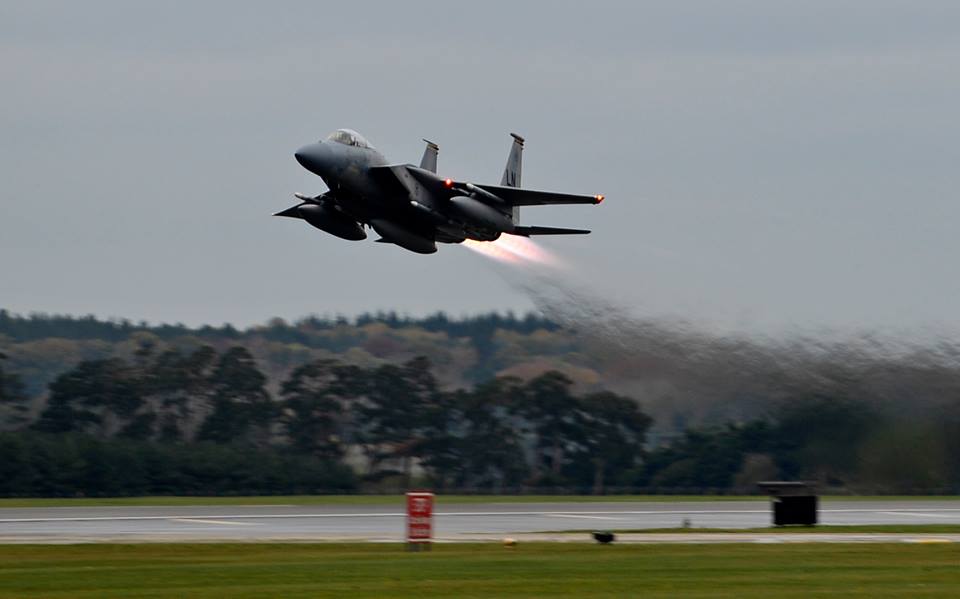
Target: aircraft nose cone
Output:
[
  {"x": 312, "y": 157},
  {"x": 303, "y": 155}
]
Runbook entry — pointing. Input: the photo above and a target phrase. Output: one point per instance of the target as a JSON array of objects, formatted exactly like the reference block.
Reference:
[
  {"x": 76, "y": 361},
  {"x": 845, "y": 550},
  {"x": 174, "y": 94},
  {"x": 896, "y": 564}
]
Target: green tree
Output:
[
  {"x": 12, "y": 395},
  {"x": 614, "y": 432},
  {"x": 178, "y": 389},
  {"x": 312, "y": 409},
  {"x": 400, "y": 404},
  {"x": 98, "y": 396},
  {"x": 243, "y": 411},
  {"x": 488, "y": 451},
  {"x": 819, "y": 437},
  {"x": 552, "y": 417}
]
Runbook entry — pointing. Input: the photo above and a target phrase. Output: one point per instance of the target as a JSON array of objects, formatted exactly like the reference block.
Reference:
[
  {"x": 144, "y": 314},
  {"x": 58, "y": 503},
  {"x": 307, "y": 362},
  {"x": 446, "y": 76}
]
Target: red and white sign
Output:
[{"x": 419, "y": 517}]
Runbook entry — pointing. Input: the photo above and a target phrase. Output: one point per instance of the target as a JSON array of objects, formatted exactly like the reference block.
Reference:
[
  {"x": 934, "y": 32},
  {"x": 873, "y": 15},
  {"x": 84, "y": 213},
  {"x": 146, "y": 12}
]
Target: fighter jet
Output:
[{"x": 411, "y": 206}]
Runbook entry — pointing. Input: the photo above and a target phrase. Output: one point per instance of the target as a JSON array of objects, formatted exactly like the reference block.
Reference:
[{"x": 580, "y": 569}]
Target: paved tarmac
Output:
[{"x": 453, "y": 522}]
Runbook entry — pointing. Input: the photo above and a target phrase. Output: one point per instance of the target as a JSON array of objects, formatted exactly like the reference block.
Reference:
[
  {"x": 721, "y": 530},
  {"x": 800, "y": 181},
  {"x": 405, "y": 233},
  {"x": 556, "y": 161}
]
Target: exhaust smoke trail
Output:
[{"x": 687, "y": 372}]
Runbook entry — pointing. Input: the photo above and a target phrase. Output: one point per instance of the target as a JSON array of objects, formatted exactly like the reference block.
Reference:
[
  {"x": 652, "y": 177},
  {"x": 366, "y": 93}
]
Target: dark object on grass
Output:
[
  {"x": 604, "y": 536},
  {"x": 793, "y": 502}
]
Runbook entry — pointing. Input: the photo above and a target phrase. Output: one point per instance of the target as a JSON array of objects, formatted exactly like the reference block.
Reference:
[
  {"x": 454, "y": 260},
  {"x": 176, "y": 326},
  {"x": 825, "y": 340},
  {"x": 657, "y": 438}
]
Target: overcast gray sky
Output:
[{"x": 764, "y": 162}]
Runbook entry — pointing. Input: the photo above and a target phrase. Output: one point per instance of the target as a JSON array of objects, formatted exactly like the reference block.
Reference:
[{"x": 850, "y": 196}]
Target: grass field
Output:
[
  {"x": 529, "y": 570},
  {"x": 395, "y": 499}
]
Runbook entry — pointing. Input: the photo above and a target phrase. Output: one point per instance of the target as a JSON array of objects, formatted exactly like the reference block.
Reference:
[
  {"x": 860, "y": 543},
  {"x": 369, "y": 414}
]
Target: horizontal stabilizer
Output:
[{"x": 528, "y": 231}]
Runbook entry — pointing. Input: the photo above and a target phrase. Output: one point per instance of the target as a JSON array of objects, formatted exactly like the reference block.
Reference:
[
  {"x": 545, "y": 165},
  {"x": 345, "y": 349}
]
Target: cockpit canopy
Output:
[{"x": 349, "y": 137}]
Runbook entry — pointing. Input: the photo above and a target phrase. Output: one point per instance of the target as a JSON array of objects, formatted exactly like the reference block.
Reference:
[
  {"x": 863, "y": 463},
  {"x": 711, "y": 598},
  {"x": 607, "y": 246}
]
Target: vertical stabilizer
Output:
[
  {"x": 429, "y": 160},
  {"x": 511, "y": 174}
]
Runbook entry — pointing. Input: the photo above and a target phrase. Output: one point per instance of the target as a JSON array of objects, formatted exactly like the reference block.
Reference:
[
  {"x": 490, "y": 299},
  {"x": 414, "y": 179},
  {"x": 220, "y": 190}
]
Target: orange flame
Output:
[{"x": 511, "y": 249}]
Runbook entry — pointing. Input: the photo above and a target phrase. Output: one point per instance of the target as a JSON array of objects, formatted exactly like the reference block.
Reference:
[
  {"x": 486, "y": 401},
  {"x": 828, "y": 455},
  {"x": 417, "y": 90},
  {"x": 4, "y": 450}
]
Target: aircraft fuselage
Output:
[{"x": 411, "y": 206}]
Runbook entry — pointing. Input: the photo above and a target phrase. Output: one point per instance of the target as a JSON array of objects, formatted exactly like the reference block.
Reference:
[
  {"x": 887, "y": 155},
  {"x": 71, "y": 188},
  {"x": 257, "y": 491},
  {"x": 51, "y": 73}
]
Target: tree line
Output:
[
  {"x": 40, "y": 326},
  {"x": 464, "y": 349},
  {"x": 207, "y": 422},
  {"x": 385, "y": 425}
]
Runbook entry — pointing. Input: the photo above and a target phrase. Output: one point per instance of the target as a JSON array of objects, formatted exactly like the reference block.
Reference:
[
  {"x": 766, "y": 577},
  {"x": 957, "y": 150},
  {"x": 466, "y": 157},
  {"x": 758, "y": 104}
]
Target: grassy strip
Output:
[
  {"x": 396, "y": 499},
  {"x": 857, "y": 528},
  {"x": 487, "y": 570}
]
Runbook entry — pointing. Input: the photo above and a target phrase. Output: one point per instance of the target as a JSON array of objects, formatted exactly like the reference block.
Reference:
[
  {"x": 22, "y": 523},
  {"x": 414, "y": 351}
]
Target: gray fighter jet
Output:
[{"x": 412, "y": 206}]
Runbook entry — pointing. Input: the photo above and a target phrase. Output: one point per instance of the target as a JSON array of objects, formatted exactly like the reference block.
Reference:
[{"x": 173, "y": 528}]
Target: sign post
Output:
[{"x": 419, "y": 520}]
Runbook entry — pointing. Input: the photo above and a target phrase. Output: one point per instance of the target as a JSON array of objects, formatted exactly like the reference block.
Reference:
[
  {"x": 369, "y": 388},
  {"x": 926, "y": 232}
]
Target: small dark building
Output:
[{"x": 792, "y": 502}]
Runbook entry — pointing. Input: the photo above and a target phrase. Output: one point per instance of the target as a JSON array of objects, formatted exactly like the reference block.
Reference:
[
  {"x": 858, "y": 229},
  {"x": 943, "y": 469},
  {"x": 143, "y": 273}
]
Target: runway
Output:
[{"x": 452, "y": 522}]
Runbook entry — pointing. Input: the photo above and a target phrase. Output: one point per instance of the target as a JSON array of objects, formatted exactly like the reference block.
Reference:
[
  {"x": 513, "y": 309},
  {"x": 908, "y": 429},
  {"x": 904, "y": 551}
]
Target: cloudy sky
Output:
[{"x": 764, "y": 162}]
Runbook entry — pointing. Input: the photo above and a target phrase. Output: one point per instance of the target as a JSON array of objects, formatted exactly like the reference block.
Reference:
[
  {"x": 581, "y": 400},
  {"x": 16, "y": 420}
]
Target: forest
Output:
[{"x": 489, "y": 404}]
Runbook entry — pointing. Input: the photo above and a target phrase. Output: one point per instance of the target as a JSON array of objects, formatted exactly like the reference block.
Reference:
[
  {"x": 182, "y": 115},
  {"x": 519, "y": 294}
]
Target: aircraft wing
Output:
[
  {"x": 513, "y": 196},
  {"x": 516, "y": 196}
]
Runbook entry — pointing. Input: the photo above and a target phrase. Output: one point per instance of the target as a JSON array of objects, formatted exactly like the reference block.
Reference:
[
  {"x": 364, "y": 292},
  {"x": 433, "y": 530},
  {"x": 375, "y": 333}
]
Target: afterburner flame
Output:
[{"x": 511, "y": 249}]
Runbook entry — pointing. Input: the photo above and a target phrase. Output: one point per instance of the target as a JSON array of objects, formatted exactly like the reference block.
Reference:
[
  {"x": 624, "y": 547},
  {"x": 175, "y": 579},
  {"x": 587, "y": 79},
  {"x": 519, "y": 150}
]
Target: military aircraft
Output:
[{"x": 412, "y": 206}]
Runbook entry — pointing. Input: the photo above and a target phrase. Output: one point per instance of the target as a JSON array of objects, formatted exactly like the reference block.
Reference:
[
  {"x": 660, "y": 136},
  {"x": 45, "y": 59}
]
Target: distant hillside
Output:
[
  {"x": 35, "y": 326},
  {"x": 465, "y": 350},
  {"x": 680, "y": 375}
]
